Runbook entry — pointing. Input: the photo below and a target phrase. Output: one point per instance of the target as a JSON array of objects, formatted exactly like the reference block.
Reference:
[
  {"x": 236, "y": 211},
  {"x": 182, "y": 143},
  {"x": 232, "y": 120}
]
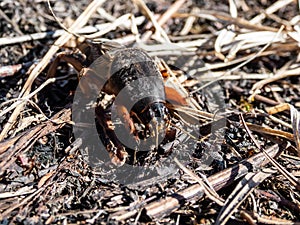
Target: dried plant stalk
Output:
[{"x": 79, "y": 23}]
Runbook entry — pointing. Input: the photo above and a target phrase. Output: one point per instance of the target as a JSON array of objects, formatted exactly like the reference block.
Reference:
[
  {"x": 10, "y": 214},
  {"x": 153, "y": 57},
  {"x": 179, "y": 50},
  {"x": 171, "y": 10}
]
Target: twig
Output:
[
  {"x": 270, "y": 131},
  {"x": 270, "y": 10},
  {"x": 26, "y": 98},
  {"x": 11, "y": 147},
  {"x": 57, "y": 33},
  {"x": 261, "y": 219},
  {"x": 208, "y": 190},
  {"x": 6, "y": 71},
  {"x": 294, "y": 181},
  {"x": 167, "y": 205},
  {"x": 220, "y": 180},
  {"x": 141, "y": 4},
  {"x": 15, "y": 26},
  {"x": 256, "y": 97},
  {"x": 240, "y": 193}
]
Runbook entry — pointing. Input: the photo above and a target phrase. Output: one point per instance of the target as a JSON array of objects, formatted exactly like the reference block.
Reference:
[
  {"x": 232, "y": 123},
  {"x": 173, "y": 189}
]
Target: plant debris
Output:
[{"x": 231, "y": 154}]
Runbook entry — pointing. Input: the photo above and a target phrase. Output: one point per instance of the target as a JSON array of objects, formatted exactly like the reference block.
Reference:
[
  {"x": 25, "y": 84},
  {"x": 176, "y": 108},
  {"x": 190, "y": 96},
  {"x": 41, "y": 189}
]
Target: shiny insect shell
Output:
[
  {"x": 135, "y": 80},
  {"x": 132, "y": 76}
]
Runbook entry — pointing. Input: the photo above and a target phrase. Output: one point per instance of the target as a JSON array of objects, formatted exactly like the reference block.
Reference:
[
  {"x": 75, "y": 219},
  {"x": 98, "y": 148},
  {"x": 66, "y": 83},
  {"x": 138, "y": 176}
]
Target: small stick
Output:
[
  {"x": 270, "y": 10},
  {"x": 141, "y": 4},
  {"x": 10, "y": 70},
  {"x": 15, "y": 26},
  {"x": 169, "y": 204},
  {"x": 208, "y": 190},
  {"x": 11, "y": 147},
  {"x": 292, "y": 179},
  {"x": 163, "y": 19},
  {"x": 7, "y": 71},
  {"x": 189, "y": 22},
  {"x": 270, "y": 131},
  {"x": 256, "y": 97},
  {"x": 219, "y": 180},
  {"x": 58, "y": 33}
]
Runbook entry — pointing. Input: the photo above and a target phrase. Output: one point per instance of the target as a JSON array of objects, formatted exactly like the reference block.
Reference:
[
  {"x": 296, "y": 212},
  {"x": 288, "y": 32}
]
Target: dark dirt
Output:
[{"x": 44, "y": 178}]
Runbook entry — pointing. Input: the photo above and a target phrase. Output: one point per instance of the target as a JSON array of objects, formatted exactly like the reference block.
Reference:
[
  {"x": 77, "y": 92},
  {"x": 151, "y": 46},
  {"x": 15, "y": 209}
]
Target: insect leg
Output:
[
  {"x": 174, "y": 97},
  {"x": 125, "y": 117},
  {"x": 67, "y": 57},
  {"x": 115, "y": 149}
]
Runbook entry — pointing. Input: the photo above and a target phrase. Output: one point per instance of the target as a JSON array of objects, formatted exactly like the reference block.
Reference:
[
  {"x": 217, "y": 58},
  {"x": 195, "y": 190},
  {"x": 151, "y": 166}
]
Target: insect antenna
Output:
[
  {"x": 184, "y": 131},
  {"x": 190, "y": 116}
]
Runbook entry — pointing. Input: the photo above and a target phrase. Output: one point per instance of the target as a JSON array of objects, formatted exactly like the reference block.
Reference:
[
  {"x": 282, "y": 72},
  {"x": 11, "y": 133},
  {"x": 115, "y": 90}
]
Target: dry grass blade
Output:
[
  {"x": 270, "y": 131},
  {"x": 20, "y": 192},
  {"x": 242, "y": 64},
  {"x": 162, "y": 36},
  {"x": 294, "y": 181},
  {"x": 79, "y": 23},
  {"x": 273, "y": 8},
  {"x": 169, "y": 13},
  {"x": 198, "y": 113},
  {"x": 54, "y": 34},
  {"x": 295, "y": 118},
  {"x": 25, "y": 98},
  {"x": 233, "y": 9},
  {"x": 279, "y": 75},
  {"x": 220, "y": 180},
  {"x": 121, "y": 21},
  {"x": 208, "y": 189},
  {"x": 229, "y": 41},
  {"x": 240, "y": 193},
  {"x": 162, "y": 20},
  {"x": 189, "y": 22},
  {"x": 22, "y": 202},
  {"x": 253, "y": 218},
  {"x": 226, "y": 35},
  {"x": 224, "y": 38},
  {"x": 213, "y": 15}
]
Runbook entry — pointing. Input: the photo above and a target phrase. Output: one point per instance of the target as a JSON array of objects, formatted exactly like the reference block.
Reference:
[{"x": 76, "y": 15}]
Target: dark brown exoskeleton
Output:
[
  {"x": 138, "y": 85},
  {"x": 133, "y": 77}
]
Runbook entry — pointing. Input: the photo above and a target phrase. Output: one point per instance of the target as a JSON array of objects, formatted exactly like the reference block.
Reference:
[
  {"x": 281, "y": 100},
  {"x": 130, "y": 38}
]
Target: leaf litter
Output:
[{"x": 249, "y": 48}]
